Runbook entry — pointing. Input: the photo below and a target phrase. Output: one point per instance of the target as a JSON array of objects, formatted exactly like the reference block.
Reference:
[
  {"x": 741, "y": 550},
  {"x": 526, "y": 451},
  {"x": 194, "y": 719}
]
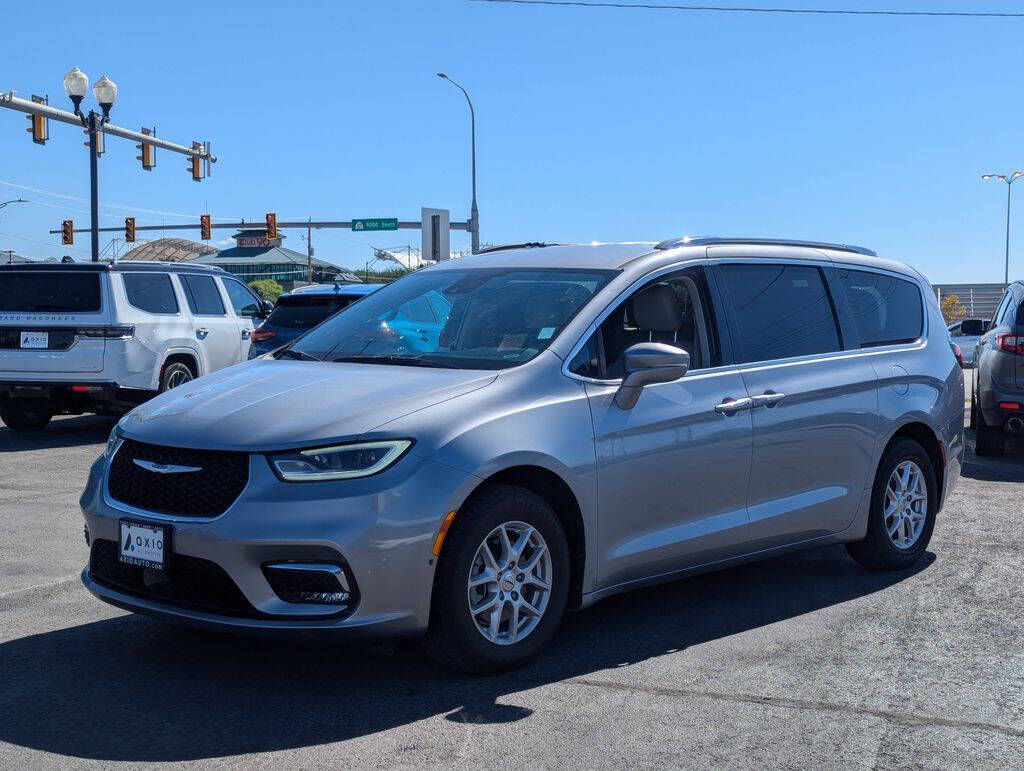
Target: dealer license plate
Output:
[
  {"x": 35, "y": 339},
  {"x": 143, "y": 544}
]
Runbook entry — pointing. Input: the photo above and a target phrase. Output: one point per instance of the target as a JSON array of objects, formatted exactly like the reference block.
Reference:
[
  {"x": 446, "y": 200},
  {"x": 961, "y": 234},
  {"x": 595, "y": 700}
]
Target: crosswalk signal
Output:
[
  {"x": 129, "y": 230},
  {"x": 204, "y": 226},
  {"x": 39, "y": 128},
  {"x": 195, "y": 163},
  {"x": 271, "y": 226},
  {"x": 148, "y": 156},
  {"x": 67, "y": 232}
]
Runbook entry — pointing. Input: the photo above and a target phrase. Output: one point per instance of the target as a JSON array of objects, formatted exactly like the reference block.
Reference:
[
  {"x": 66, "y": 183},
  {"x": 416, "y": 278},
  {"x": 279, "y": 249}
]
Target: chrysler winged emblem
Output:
[{"x": 164, "y": 468}]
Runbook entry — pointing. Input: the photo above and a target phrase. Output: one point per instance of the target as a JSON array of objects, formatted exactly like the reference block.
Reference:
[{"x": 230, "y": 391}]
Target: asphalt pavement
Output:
[{"x": 805, "y": 660}]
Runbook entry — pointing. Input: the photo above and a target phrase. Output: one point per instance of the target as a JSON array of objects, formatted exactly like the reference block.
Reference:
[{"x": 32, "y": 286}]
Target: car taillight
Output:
[
  {"x": 1011, "y": 343},
  {"x": 958, "y": 353},
  {"x": 259, "y": 335},
  {"x": 109, "y": 333}
]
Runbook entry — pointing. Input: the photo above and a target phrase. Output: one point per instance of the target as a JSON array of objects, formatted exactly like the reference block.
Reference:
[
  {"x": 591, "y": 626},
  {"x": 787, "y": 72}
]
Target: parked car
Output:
[
  {"x": 592, "y": 419},
  {"x": 997, "y": 399},
  {"x": 103, "y": 338},
  {"x": 300, "y": 310},
  {"x": 965, "y": 334}
]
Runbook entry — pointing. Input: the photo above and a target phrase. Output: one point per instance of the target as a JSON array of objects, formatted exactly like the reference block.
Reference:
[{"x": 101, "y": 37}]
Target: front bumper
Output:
[{"x": 382, "y": 528}]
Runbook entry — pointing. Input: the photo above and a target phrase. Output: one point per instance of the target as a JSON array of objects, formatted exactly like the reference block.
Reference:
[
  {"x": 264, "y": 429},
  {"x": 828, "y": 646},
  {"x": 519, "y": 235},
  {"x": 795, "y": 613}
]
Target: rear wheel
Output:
[
  {"x": 175, "y": 374},
  {"x": 988, "y": 440},
  {"x": 501, "y": 584},
  {"x": 21, "y": 417},
  {"x": 903, "y": 505}
]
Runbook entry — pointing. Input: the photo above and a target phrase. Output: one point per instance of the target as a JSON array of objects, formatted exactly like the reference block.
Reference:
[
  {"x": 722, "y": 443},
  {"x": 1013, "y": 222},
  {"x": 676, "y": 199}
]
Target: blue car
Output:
[
  {"x": 420, "y": 320},
  {"x": 302, "y": 309}
]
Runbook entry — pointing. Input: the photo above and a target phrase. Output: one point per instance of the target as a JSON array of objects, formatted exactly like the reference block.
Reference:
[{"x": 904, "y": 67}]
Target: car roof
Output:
[
  {"x": 128, "y": 266},
  {"x": 334, "y": 289},
  {"x": 616, "y": 256}
]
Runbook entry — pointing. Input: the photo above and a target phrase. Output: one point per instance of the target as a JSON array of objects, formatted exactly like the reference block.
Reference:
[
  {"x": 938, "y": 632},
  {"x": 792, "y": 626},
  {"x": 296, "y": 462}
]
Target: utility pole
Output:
[{"x": 309, "y": 251}]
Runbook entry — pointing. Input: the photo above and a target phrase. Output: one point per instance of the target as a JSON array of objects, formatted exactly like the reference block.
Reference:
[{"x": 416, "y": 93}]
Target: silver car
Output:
[{"x": 588, "y": 420}]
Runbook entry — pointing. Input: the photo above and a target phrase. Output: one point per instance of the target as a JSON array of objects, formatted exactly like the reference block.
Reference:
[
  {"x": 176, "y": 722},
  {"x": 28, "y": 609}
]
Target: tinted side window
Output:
[
  {"x": 242, "y": 300},
  {"x": 1009, "y": 317},
  {"x": 998, "y": 314},
  {"x": 779, "y": 311},
  {"x": 203, "y": 297},
  {"x": 150, "y": 292},
  {"x": 886, "y": 310}
]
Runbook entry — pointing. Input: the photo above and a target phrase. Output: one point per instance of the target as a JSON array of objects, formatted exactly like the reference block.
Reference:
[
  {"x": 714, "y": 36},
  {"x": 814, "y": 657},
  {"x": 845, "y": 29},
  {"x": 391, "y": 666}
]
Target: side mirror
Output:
[
  {"x": 972, "y": 327},
  {"x": 265, "y": 308},
  {"x": 647, "y": 364}
]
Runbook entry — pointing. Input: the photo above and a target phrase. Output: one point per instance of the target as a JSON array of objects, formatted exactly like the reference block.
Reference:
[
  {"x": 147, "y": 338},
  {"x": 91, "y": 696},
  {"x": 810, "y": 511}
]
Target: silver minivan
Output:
[{"x": 587, "y": 420}]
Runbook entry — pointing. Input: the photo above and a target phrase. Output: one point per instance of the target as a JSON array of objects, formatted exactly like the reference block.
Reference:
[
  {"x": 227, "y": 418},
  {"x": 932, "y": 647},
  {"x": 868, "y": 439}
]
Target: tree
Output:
[
  {"x": 267, "y": 288},
  {"x": 952, "y": 309}
]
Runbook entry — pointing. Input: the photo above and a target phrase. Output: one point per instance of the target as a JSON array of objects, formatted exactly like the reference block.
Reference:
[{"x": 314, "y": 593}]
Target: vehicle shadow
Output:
[
  {"x": 1008, "y": 467},
  {"x": 62, "y": 432},
  {"x": 133, "y": 689}
]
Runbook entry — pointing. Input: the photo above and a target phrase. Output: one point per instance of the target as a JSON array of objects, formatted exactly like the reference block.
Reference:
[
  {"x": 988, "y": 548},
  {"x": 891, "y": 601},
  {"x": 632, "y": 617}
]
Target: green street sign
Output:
[{"x": 378, "y": 223}]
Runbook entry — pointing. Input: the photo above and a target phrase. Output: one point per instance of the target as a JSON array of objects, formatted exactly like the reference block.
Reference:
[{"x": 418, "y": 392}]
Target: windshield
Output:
[
  {"x": 478, "y": 318},
  {"x": 305, "y": 312},
  {"x": 41, "y": 291}
]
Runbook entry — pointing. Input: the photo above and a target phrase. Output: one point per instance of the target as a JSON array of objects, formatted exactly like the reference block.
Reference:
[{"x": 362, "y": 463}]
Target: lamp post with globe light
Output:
[
  {"x": 1009, "y": 180},
  {"x": 76, "y": 83}
]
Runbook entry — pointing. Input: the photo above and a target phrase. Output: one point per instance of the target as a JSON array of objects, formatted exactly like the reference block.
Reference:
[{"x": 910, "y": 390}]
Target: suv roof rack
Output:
[
  {"x": 672, "y": 243},
  {"x": 504, "y": 247}
]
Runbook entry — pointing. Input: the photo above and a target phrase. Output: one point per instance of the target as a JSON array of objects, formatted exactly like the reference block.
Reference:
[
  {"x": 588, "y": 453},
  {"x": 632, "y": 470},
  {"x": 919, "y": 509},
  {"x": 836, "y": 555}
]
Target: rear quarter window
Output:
[
  {"x": 49, "y": 291},
  {"x": 150, "y": 292},
  {"x": 886, "y": 310}
]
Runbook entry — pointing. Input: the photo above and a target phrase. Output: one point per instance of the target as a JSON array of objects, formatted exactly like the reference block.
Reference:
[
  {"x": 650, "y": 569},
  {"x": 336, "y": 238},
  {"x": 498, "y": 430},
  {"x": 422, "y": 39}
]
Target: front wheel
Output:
[
  {"x": 502, "y": 582},
  {"x": 904, "y": 502},
  {"x": 19, "y": 417}
]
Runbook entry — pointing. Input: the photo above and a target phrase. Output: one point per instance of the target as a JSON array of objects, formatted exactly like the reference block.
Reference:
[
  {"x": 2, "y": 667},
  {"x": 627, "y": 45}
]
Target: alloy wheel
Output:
[
  {"x": 177, "y": 378},
  {"x": 906, "y": 504},
  {"x": 509, "y": 583}
]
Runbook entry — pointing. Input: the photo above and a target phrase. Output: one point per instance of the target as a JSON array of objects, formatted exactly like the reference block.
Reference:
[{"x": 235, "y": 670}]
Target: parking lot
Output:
[{"x": 805, "y": 660}]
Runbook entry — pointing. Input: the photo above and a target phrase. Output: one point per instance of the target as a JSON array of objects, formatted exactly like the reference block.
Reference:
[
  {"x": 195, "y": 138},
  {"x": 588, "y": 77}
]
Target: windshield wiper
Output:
[
  {"x": 292, "y": 353},
  {"x": 411, "y": 361}
]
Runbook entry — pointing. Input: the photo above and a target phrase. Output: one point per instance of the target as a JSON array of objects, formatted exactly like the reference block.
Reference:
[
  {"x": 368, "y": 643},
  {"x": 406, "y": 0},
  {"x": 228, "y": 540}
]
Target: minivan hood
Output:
[{"x": 268, "y": 405}]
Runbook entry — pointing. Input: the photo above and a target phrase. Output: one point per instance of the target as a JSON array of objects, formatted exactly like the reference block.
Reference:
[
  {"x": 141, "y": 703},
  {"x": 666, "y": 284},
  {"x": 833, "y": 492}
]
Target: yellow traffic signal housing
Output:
[
  {"x": 204, "y": 226},
  {"x": 39, "y": 128},
  {"x": 195, "y": 163},
  {"x": 271, "y": 226},
  {"x": 67, "y": 232},
  {"x": 129, "y": 230},
  {"x": 148, "y": 156}
]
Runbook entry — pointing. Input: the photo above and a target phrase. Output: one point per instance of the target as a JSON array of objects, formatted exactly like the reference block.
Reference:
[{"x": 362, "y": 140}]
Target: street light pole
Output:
[
  {"x": 105, "y": 91},
  {"x": 474, "y": 214},
  {"x": 1009, "y": 180}
]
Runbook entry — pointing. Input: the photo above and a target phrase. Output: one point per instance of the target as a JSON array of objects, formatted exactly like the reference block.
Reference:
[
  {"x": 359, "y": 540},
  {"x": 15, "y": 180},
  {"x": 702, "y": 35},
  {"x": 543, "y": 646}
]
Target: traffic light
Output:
[
  {"x": 39, "y": 128},
  {"x": 129, "y": 230},
  {"x": 195, "y": 163},
  {"x": 271, "y": 226},
  {"x": 204, "y": 226},
  {"x": 148, "y": 156},
  {"x": 67, "y": 232}
]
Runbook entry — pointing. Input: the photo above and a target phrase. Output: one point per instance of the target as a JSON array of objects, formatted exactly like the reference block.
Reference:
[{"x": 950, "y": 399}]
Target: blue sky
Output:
[{"x": 592, "y": 124}]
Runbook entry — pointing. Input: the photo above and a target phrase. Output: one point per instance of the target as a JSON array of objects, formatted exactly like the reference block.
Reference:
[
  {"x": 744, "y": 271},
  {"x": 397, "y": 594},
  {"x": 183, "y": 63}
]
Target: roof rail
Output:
[
  {"x": 672, "y": 243},
  {"x": 505, "y": 247}
]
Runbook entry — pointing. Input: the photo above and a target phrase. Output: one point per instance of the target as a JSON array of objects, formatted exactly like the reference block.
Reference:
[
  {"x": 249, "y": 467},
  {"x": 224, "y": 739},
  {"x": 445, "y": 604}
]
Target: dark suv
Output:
[{"x": 997, "y": 400}]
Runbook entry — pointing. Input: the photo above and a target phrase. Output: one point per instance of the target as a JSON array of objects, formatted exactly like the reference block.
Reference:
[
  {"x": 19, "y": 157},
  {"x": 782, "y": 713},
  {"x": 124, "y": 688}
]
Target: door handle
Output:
[
  {"x": 729, "y": 405},
  {"x": 201, "y": 333},
  {"x": 768, "y": 399},
  {"x": 246, "y": 334}
]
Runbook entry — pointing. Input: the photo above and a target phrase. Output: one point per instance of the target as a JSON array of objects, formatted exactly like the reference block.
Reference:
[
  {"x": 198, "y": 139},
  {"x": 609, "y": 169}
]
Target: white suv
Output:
[{"x": 102, "y": 338}]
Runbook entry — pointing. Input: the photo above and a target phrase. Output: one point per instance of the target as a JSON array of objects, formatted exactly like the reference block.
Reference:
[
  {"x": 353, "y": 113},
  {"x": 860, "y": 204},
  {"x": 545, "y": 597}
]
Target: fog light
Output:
[{"x": 315, "y": 583}]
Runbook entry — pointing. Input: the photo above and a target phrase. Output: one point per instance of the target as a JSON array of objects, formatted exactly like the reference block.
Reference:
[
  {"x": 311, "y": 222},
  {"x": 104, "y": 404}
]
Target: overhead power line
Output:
[{"x": 747, "y": 9}]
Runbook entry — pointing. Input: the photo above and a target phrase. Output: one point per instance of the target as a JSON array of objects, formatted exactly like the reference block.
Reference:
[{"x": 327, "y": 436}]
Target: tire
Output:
[
  {"x": 454, "y": 638},
  {"x": 19, "y": 417},
  {"x": 879, "y": 550},
  {"x": 175, "y": 374},
  {"x": 989, "y": 441}
]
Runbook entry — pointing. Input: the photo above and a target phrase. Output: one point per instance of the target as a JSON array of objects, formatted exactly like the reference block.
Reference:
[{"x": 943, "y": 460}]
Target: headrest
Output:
[{"x": 657, "y": 309}]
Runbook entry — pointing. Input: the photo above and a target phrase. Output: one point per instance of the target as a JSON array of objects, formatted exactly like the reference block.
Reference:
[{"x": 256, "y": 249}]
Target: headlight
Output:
[
  {"x": 344, "y": 461},
  {"x": 113, "y": 442}
]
